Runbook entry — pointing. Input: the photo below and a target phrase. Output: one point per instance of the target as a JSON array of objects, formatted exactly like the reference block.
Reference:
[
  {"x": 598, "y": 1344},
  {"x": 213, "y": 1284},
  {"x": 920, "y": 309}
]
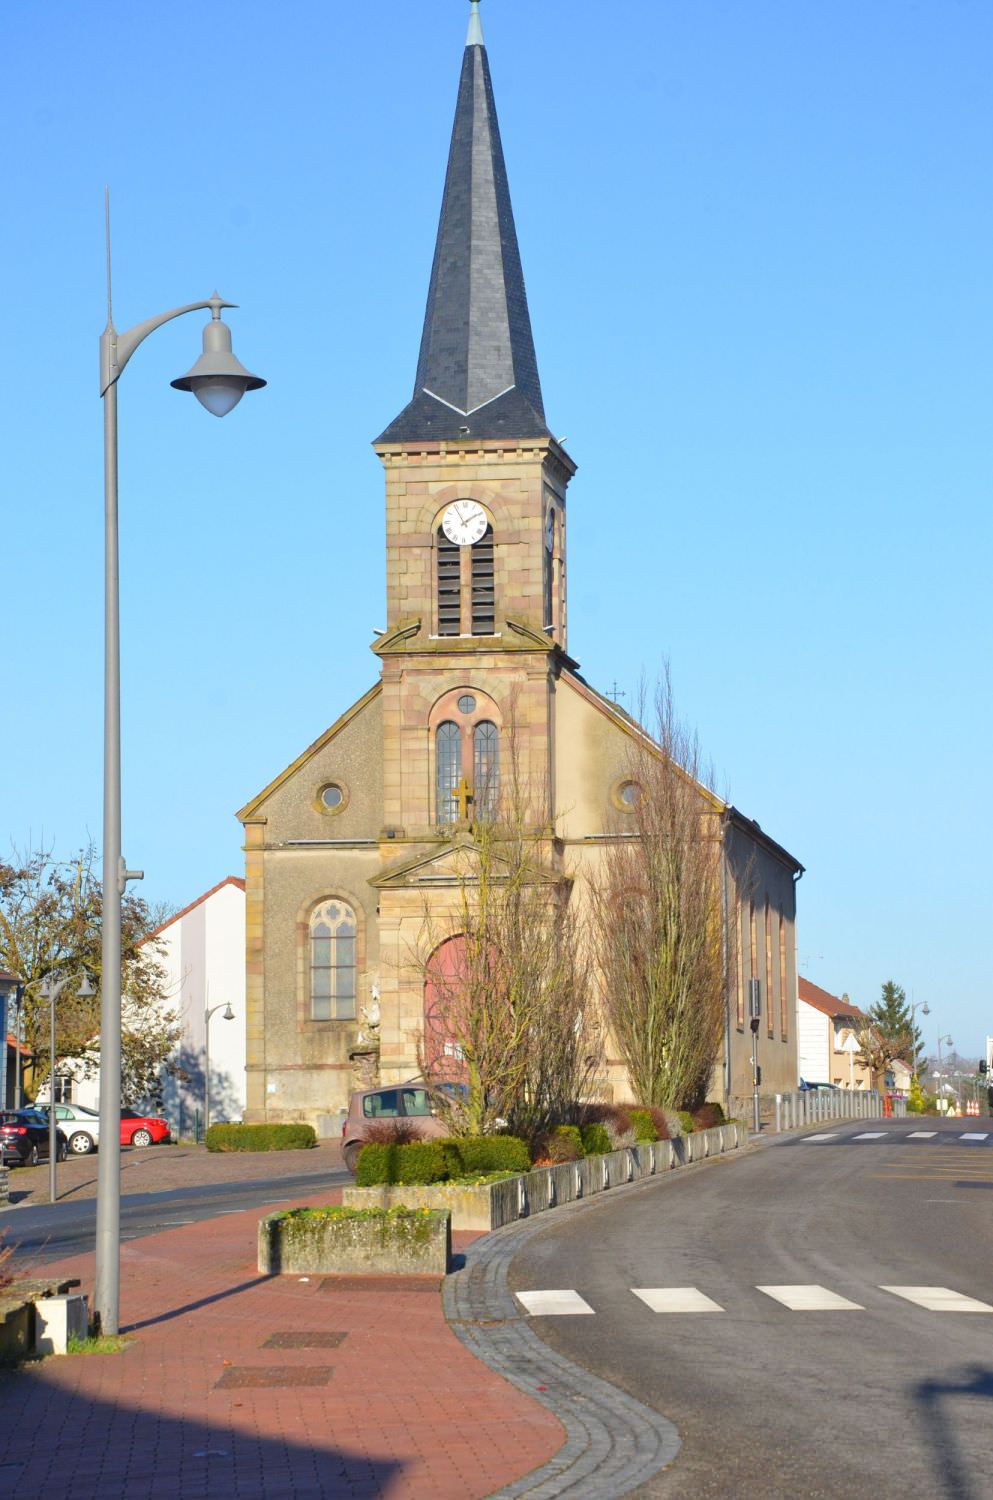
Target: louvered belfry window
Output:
[
  {"x": 448, "y": 747},
  {"x": 483, "y": 596},
  {"x": 449, "y": 586}
]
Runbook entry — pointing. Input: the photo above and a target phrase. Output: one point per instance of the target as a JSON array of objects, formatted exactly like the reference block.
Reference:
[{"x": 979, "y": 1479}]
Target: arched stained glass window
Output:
[
  {"x": 448, "y": 745},
  {"x": 486, "y": 769},
  {"x": 332, "y": 962}
]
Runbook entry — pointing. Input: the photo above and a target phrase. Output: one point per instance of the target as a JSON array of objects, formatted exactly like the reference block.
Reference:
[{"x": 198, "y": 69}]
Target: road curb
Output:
[{"x": 614, "y": 1443}]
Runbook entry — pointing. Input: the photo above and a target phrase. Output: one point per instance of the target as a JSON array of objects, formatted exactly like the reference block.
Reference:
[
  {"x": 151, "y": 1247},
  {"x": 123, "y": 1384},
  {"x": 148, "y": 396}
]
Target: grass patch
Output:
[{"x": 106, "y": 1343}]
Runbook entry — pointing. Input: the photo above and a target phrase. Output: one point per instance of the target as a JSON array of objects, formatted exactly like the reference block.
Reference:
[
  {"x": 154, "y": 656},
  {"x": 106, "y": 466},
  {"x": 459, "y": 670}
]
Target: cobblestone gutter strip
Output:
[{"x": 613, "y": 1442}]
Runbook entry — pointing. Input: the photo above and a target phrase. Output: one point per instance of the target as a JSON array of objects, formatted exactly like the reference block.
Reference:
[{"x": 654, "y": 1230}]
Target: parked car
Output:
[
  {"x": 24, "y": 1138},
  {"x": 829, "y": 1087},
  {"x": 413, "y": 1102},
  {"x": 81, "y": 1125},
  {"x": 142, "y": 1130}
]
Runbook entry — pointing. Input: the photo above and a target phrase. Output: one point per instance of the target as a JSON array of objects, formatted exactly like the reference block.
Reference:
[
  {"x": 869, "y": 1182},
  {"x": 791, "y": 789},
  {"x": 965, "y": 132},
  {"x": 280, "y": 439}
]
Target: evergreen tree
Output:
[{"x": 892, "y": 1018}]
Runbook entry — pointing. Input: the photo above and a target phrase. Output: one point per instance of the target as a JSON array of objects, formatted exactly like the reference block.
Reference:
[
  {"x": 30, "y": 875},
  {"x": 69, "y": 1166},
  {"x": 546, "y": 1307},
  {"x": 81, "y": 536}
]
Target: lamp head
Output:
[
  {"x": 86, "y": 990},
  {"x": 228, "y": 1013},
  {"x": 218, "y": 379},
  {"x": 925, "y": 1009}
]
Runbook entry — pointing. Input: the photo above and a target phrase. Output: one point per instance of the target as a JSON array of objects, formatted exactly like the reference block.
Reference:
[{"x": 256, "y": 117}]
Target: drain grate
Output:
[
  {"x": 305, "y": 1339},
  {"x": 262, "y": 1377},
  {"x": 379, "y": 1284}
]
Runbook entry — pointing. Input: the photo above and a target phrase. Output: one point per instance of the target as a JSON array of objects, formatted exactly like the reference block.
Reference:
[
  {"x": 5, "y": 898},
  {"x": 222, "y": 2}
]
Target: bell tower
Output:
[{"x": 475, "y": 512}]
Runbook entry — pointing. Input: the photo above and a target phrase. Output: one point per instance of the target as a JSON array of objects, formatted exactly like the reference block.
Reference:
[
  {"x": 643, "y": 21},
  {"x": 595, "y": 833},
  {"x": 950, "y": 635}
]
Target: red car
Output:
[{"x": 142, "y": 1130}]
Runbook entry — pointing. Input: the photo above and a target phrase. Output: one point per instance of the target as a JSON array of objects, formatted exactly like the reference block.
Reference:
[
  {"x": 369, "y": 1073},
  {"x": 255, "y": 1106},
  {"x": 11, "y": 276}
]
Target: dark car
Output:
[{"x": 24, "y": 1138}]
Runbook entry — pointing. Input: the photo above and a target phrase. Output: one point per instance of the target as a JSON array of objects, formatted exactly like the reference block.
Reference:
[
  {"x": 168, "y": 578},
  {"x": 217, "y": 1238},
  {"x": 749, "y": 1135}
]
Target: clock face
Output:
[{"x": 464, "y": 523}]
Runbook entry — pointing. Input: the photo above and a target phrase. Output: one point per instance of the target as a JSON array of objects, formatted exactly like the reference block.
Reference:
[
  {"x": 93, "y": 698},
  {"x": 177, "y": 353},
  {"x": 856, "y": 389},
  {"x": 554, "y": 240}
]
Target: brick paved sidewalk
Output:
[{"x": 241, "y": 1387}]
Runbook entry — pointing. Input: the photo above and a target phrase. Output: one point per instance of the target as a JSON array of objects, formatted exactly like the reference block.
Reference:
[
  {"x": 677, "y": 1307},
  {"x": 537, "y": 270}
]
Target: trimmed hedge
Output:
[
  {"x": 296, "y": 1137},
  {"x": 596, "y": 1139},
  {"x": 686, "y": 1121},
  {"x": 423, "y": 1162},
  {"x": 644, "y": 1125}
]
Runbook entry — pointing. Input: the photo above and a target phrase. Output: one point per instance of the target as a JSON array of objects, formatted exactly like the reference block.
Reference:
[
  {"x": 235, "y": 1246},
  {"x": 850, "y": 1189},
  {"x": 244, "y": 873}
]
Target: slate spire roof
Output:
[{"x": 477, "y": 367}]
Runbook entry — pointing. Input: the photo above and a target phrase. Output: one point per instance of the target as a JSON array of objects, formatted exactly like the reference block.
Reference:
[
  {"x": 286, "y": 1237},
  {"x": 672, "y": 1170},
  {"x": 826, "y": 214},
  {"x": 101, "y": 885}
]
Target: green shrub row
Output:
[
  {"x": 296, "y": 1137},
  {"x": 423, "y": 1162}
]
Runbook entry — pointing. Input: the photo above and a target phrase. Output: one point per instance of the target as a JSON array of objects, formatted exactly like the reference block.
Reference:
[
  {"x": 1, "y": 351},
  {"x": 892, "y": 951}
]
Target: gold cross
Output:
[{"x": 464, "y": 797}]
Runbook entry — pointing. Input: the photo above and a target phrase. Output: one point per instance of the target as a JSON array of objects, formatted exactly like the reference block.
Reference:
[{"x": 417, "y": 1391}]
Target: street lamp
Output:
[
  {"x": 948, "y": 1043},
  {"x": 925, "y": 1010},
  {"x": 219, "y": 382},
  {"x": 227, "y": 1016},
  {"x": 50, "y": 990}
]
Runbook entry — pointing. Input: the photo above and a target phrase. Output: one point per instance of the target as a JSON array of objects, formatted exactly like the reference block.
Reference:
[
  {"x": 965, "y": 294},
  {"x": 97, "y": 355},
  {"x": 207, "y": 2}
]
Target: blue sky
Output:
[{"x": 757, "y": 242}]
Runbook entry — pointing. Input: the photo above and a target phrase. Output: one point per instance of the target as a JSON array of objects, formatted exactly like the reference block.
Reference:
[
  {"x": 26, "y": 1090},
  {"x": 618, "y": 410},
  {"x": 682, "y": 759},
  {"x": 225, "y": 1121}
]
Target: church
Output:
[{"x": 349, "y": 847}]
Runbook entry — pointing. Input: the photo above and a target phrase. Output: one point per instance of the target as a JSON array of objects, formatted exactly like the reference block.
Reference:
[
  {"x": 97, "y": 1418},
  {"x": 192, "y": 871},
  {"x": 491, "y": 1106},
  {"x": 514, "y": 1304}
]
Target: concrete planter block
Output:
[
  {"x": 537, "y": 1190},
  {"x": 326, "y": 1244},
  {"x": 643, "y": 1160},
  {"x": 679, "y": 1154},
  {"x": 617, "y": 1168},
  {"x": 564, "y": 1180},
  {"x": 591, "y": 1175},
  {"x": 470, "y": 1207},
  {"x": 57, "y": 1320},
  {"x": 504, "y": 1204},
  {"x": 16, "y": 1330}
]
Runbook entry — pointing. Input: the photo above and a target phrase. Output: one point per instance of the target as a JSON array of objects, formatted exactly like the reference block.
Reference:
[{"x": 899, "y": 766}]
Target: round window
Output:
[
  {"x": 332, "y": 797},
  {"x": 467, "y": 704},
  {"x": 629, "y": 793}
]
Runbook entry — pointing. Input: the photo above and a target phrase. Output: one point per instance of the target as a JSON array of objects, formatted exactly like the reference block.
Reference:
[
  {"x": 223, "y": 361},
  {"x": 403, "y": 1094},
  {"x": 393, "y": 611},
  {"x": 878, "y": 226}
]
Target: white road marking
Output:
[
  {"x": 872, "y": 1135},
  {"x": 938, "y": 1299},
  {"x": 809, "y": 1299},
  {"x": 552, "y": 1304},
  {"x": 808, "y": 1138},
  {"x": 676, "y": 1299},
  {"x": 223, "y": 1212},
  {"x": 975, "y": 1135},
  {"x": 922, "y": 1135}
]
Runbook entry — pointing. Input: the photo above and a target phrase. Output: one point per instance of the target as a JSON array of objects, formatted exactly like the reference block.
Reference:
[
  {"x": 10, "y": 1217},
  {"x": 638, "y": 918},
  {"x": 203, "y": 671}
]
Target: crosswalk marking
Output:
[
  {"x": 872, "y": 1135},
  {"x": 974, "y": 1135},
  {"x": 676, "y": 1299},
  {"x": 808, "y": 1138},
  {"x": 553, "y": 1304},
  {"x": 810, "y": 1299},
  {"x": 938, "y": 1299},
  {"x": 922, "y": 1135}
]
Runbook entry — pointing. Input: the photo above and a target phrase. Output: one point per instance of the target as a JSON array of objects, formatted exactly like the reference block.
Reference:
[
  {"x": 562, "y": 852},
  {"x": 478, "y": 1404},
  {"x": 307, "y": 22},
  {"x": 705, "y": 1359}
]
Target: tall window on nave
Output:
[
  {"x": 486, "y": 769},
  {"x": 332, "y": 962}
]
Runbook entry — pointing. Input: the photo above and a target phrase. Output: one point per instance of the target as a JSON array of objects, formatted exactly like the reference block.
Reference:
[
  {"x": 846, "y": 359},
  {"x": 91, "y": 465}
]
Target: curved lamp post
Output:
[
  {"x": 227, "y": 1016},
  {"x": 946, "y": 1041},
  {"x": 218, "y": 381},
  {"x": 50, "y": 990},
  {"x": 925, "y": 1010}
]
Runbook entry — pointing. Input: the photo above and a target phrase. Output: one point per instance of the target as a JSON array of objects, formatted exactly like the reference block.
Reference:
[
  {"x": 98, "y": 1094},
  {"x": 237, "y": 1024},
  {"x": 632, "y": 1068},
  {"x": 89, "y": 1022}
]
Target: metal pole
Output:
[
  {"x": 206, "y": 1072},
  {"x": 108, "y": 1235},
  {"x": 52, "y": 1185}
]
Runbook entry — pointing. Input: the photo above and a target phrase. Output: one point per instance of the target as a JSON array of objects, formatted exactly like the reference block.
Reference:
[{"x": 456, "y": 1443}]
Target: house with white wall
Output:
[
  {"x": 826, "y": 1048},
  {"x": 201, "y": 951}
]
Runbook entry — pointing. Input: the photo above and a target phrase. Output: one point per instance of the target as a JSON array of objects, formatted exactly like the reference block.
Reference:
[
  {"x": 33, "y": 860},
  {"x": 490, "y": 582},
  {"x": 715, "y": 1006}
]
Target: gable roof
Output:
[
  {"x": 350, "y": 713},
  {"x": 828, "y": 1004},
  {"x": 440, "y": 866},
  {"x": 235, "y": 880}
]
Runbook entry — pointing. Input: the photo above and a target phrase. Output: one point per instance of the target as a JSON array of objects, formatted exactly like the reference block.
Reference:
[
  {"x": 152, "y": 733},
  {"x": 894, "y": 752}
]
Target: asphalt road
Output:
[
  {"x": 885, "y": 1399},
  {"x": 52, "y": 1231}
]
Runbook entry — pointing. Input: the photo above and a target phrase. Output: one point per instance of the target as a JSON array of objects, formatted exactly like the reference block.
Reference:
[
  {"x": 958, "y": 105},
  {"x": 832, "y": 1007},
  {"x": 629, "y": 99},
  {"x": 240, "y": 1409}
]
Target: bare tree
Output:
[
  {"x": 50, "y": 916},
  {"x": 662, "y": 953},
  {"x": 508, "y": 1019}
]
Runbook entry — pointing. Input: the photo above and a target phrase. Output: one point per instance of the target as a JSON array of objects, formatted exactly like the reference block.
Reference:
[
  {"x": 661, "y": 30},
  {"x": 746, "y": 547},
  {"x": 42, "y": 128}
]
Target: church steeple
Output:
[{"x": 477, "y": 368}]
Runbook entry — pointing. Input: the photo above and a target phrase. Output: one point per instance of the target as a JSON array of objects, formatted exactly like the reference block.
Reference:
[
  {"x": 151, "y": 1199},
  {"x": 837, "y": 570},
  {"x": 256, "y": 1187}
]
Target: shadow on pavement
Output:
[
  {"x": 108, "y": 1451},
  {"x": 944, "y": 1413},
  {"x": 188, "y": 1307}
]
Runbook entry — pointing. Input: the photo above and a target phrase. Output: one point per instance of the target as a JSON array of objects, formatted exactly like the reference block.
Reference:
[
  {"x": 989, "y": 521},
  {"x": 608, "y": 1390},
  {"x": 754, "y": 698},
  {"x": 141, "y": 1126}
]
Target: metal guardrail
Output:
[{"x": 811, "y": 1106}]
